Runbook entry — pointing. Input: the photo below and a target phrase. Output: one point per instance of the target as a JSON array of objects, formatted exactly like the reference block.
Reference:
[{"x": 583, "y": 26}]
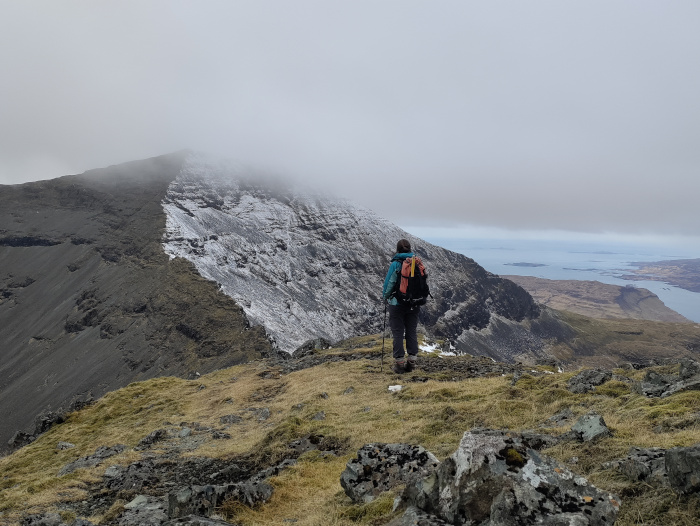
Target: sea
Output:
[{"x": 603, "y": 260}]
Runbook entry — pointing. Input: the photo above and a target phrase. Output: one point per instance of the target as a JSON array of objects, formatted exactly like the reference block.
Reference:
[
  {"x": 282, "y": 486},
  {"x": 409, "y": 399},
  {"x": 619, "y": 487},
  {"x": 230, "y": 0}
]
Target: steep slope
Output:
[
  {"x": 89, "y": 301},
  {"x": 307, "y": 266},
  {"x": 598, "y": 300}
]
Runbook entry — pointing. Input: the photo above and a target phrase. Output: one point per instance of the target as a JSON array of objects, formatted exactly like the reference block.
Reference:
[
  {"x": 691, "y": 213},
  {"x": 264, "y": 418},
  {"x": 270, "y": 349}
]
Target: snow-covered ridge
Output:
[{"x": 307, "y": 266}]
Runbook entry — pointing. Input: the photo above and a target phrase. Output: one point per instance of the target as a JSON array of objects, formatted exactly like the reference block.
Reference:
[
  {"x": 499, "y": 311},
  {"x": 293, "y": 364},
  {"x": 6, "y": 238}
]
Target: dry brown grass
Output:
[{"x": 434, "y": 414}]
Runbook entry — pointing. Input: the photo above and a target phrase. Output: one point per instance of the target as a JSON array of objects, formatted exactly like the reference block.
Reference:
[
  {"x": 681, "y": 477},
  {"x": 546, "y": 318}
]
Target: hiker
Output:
[{"x": 403, "y": 319}]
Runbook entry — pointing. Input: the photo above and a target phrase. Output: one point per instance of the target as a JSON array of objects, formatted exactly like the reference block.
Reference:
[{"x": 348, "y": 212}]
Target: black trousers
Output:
[{"x": 403, "y": 321}]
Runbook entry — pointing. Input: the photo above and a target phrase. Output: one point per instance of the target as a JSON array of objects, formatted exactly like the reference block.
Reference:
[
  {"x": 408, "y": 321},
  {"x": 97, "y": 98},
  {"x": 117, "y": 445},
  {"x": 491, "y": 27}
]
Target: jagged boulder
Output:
[
  {"x": 559, "y": 419},
  {"x": 683, "y": 468},
  {"x": 497, "y": 480},
  {"x": 528, "y": 438},
  {"x": 654, "y": 384},
  {"x": 311, "y": 346},
  {"x": 691, "y": 384},
  {"x": 380, "y": 467},
  {"x": 20, "y": 439},
  {"x": 587, "y": 380},
  {"x": 587, "y": 428},
  {"x": 135, "y": 476},
  {"x": 645, "y": 464}
]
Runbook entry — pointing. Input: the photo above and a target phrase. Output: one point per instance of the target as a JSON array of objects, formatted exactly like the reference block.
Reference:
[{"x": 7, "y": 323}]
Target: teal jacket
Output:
[{"x": 392, "y": 275}]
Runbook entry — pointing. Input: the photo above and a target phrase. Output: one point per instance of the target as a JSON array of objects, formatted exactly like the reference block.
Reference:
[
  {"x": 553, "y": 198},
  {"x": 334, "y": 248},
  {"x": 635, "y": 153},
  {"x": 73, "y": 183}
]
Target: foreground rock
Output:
[
  {"x": 678, "y": 467},
  {"x": 494, "y": 478},
  {"x": 683, "y": 468},
  {"x": 500, "y": 480},
  {"x": 380, "y": 467}
]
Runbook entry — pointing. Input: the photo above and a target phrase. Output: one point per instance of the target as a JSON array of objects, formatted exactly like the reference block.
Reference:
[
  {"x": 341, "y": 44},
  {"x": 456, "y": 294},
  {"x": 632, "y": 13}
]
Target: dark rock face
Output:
[
  {"x": 497, "y": 480},
  {"x": 683, "y": 468},
  {"x": 380, "y": 467},
  {"x": 587, "y": 380},
  {"x": 116, "y": 300}
]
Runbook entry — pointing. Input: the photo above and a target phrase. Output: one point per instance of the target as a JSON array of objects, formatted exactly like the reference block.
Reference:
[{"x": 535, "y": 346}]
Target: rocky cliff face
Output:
[{"x": 307, "y": 266}]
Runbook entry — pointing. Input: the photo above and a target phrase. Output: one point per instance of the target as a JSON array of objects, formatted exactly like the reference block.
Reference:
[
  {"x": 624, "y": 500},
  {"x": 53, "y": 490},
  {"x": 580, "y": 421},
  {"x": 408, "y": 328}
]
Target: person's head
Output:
[{"x": 403, "y": 246}]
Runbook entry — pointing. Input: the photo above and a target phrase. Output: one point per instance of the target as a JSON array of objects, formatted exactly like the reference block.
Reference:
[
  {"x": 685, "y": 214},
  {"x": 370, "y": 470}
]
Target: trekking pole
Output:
[{"x": 381, "y": 368}]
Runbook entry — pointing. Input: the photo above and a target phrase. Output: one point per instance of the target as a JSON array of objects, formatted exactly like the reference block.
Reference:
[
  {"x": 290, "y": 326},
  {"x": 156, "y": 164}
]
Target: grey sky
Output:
[{"x": 575, "y": 115}]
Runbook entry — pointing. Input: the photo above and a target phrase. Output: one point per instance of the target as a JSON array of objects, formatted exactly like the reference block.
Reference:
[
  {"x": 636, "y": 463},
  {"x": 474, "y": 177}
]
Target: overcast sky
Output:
[{"x": 573, "y": 115}]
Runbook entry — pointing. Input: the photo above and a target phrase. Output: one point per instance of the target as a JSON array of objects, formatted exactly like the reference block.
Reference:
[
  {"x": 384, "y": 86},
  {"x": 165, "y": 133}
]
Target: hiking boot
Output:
[
  {"x": 399, "y": 367},
  {"x": 410, "y": 363}
]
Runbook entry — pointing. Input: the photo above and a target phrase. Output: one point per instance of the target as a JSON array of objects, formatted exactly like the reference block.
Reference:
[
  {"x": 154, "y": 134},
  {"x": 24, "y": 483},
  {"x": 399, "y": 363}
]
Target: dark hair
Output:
[{"x": 403, "y": 246}]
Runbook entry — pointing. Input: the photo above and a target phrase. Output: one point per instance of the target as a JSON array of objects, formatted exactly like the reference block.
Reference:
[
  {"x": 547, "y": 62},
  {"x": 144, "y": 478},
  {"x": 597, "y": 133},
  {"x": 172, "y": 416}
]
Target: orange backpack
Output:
[{"x": 412, "y": 286}]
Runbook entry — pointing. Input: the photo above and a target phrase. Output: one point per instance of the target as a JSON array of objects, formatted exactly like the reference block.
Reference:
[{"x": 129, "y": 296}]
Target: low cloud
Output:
[{"x": 574, "y": 116}]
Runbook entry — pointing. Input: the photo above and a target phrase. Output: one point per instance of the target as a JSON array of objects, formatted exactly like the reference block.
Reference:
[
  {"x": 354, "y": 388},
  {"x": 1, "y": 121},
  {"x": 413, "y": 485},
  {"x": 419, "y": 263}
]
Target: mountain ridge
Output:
[{"x": 282, "y": 253}]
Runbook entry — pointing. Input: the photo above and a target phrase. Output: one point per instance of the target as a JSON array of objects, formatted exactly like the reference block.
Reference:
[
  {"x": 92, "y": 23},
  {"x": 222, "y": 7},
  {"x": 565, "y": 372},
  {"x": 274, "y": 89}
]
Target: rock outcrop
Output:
[
  {"x": 655, "y": 384},
  {"x": 380, "y": 467},
  {"x": 678, "y": 467},
  {"x": 683, "y": 469},
  {"x": 494, "y": 478},
  {"x": 587, "y": 380}
]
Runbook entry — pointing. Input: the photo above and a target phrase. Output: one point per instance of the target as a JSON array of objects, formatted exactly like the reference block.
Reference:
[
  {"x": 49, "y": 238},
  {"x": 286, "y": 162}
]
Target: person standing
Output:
[{"x": 403, "y": 319}]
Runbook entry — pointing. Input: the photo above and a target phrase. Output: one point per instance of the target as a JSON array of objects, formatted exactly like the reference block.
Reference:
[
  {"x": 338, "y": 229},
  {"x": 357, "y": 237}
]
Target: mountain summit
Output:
[
  {"x": 179, "y": 265},
  {"x": 307, "y": 266}
]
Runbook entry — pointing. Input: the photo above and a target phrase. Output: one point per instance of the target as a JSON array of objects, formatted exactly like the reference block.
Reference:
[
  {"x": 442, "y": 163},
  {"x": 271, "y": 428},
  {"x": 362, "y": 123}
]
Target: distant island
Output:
[
  {"x": 524, "y": 264},
  {"x": 683, "y": 273}
]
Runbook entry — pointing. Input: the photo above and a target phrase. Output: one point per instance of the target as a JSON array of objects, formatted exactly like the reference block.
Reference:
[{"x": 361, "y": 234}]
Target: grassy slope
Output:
[{"x": 434, "y": 414}]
